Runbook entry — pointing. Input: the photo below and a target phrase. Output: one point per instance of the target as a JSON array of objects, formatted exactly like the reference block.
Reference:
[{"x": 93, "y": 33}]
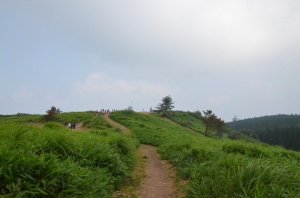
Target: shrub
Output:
[{"x": 234, "y": 135}]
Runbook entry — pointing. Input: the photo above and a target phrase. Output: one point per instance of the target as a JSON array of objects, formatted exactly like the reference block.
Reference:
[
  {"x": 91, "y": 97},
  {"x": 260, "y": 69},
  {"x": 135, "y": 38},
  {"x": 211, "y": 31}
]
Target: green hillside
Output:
[
  {"x": 188, "y": 119},
  {"x": 53, "y": 161},
  {"x": 218, "y": 168},
  {"x": 49, "y": 160}
]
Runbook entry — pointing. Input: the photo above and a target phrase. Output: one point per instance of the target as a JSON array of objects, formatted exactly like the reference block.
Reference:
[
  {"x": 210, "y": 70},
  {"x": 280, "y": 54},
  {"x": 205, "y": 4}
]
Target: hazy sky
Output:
[{"x": 235, "y": 57}]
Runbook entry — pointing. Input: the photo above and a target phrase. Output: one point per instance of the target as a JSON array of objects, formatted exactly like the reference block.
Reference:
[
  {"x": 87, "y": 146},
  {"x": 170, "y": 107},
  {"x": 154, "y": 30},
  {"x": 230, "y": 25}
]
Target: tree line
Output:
[{"x": 279, "y": 129}]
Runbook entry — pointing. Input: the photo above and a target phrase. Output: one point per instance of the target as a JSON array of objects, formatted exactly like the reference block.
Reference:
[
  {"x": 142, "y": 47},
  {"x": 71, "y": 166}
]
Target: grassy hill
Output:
[
  {"x": 218, "y": 168},
  {"x": 188, "y": 120},
  {"x": 53, "y": 161}
]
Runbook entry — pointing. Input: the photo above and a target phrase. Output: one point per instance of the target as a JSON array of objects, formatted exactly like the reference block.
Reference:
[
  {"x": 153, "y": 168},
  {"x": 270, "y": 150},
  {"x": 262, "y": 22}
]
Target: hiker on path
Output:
[{"x": 70, "y": 125}]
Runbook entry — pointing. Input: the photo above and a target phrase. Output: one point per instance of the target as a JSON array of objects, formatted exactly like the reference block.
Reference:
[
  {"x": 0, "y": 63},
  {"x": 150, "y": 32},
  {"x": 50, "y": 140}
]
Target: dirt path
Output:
[
  {"x": 79, "y": 127},
  {"x": 158, "y": 183},
  {"x": 123, "y": 128},
  {"x": 145, "y": 112}
]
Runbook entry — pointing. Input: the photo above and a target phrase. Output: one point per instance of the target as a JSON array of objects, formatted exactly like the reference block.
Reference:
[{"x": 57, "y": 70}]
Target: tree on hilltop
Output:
[
  {"x": 211, "y": 121},
  {"x": 51, "y": 113},
  {"x": 166, "y": 105}
]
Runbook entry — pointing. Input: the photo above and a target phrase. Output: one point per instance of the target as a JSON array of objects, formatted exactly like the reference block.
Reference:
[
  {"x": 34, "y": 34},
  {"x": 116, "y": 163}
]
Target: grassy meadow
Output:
[
  {"x": 53, "y": 161},
  {"x": 218, "y": 167},
  {"x": 49, "y": 160}
]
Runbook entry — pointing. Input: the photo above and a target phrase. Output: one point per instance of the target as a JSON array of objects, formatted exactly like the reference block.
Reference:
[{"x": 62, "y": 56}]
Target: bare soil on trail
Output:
[
  {"x": 159, "y": 179},
  {"x": 145, "y": 112},
  {"x": 79, "y": 127},
  {"x": 158, "y": 182}
]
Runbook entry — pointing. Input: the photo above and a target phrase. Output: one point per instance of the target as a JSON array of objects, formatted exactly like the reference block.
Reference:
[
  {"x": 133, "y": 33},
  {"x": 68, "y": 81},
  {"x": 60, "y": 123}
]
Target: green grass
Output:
[
  {"x": 97, "y": 123},
  {"x": 20, "y": 118},
  {"x": 219, "y": 168},
  {"x": 188, "y": 120},
  {"x": 153, "y": 130},
  {"x": 74, "y": 117},
  {"x": 53, "y": 161},
  {"x": 64, "y": 118}
]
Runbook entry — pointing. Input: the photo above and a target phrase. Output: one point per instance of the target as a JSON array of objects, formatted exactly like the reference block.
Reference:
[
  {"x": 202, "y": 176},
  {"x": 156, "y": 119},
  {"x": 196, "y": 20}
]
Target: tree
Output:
[
  {"x": 249, "y": 132},
  {"x": 211, "y": 121},
  {"x": 166, "y": 105},
  {"x": 51, "y": 113}
]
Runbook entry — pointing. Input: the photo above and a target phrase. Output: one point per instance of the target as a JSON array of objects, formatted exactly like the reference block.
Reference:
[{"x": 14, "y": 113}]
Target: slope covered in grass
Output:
[
  {"x": 153, "y": 130},
  {"x": 74, "y": 117},
  {"x": 64, "y": 118},
  {"x": 53, "y": 161},
  {"x": 188, "y": 119},
  {"x": 218, "y": 168},
  {"x": 20, "y": 118}
]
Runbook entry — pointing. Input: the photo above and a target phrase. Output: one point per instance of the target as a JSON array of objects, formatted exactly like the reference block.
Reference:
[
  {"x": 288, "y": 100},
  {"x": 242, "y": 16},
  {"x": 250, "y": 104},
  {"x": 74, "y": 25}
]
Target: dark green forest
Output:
[{"x": 280, "y": 129}]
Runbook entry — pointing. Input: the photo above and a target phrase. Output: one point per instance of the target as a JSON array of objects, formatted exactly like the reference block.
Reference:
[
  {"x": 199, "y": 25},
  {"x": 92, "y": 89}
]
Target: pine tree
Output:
[
  {"x": 166, "y": 105},
  {"x": 51, "y": 113}
]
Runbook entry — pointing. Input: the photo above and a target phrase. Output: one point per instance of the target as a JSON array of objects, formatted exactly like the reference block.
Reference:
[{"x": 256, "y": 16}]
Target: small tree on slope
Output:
[
  {"x": 166, "y": 105},
  {"x": 211, "y": 121}
]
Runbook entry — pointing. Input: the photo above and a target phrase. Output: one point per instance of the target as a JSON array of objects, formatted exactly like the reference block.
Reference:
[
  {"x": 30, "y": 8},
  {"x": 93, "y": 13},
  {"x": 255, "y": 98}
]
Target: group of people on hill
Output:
[
  {"x": 105, "y": 111},
  {"x": 72, "y": 125}
]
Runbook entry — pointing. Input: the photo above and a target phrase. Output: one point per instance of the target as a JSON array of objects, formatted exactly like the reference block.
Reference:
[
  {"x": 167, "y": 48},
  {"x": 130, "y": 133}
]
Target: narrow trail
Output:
[
  {"x": 158, "y": 182},
  {"x": 123, "y": 128},
  {"x": 79, "y": 127}
]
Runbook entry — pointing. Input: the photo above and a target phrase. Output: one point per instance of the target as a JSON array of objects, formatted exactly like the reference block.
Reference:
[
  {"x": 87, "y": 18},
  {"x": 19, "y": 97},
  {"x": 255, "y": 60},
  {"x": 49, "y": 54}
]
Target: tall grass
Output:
[
  {"x": 18, "y": 118},
  {"x": 219, "y": 168},
  {"x": 55, "y": 162},
  {"x": 74, "y": 117},
  {"x": 97, "y": 123},
  {"x": 188, "y": 120}
]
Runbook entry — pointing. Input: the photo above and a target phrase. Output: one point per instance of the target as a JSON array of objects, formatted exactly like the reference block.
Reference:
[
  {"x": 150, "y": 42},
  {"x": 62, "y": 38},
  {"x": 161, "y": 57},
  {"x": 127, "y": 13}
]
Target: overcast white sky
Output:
[{"x": 235, "y": 57}]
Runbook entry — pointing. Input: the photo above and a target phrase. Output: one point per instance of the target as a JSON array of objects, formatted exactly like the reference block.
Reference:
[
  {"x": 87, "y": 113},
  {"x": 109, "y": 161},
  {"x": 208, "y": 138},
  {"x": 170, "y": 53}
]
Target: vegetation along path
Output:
[
  {"x": 158, "y": 182},
  {"x": 123, "y": 128}
]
